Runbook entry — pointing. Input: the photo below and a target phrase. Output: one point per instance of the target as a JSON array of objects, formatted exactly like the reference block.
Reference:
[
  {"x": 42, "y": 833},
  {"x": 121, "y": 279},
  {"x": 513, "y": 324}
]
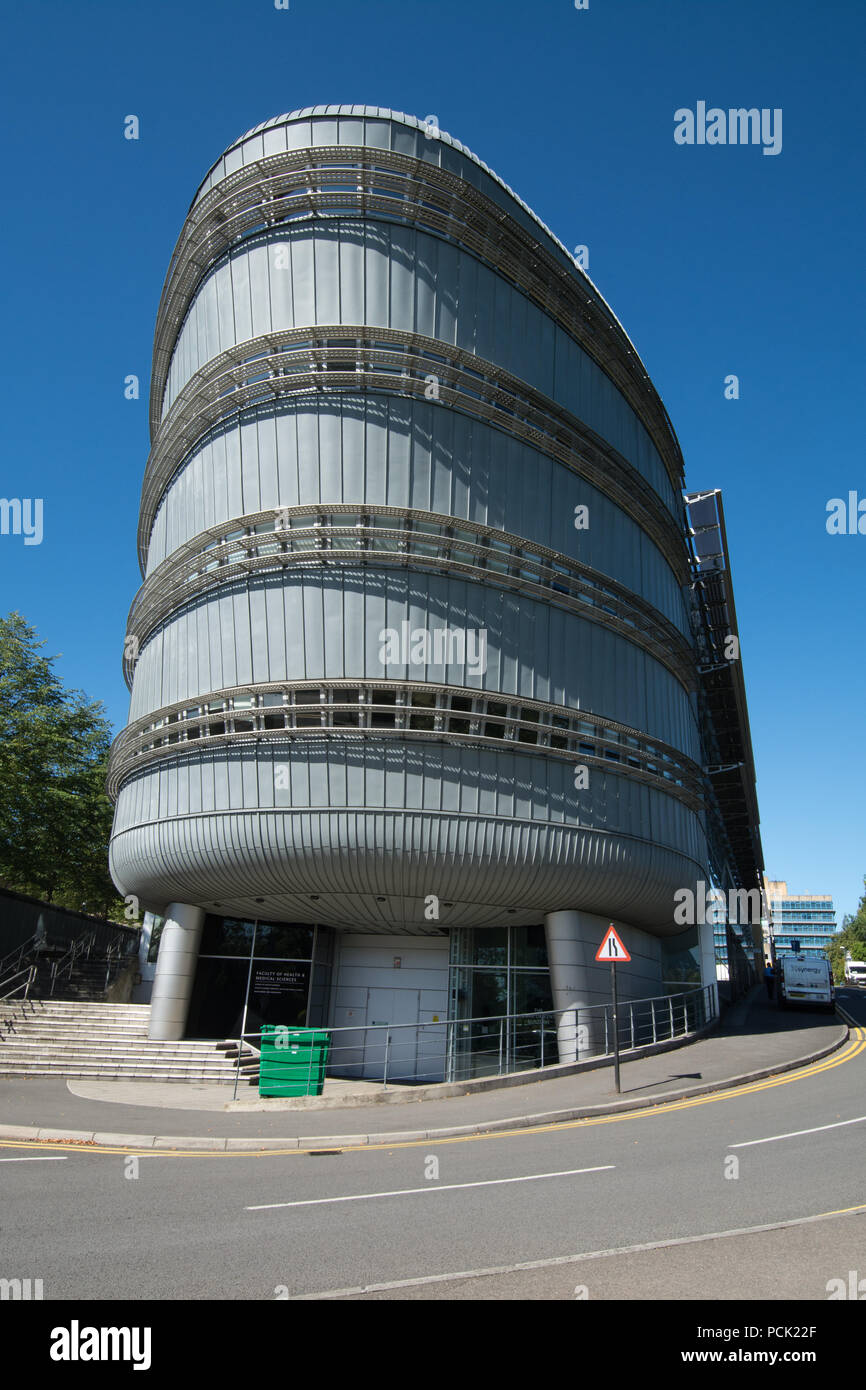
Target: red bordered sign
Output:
[{"x": 612, "y": 949}]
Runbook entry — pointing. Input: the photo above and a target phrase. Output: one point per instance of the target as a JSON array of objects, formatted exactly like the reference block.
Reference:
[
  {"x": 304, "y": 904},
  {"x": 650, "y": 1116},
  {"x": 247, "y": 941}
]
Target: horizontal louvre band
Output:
[
  {"x": 240, "y": 718},
  {"x": 306, "y": 363},
  {"x": 294, "y": 538},
  {"x": 310, "y": 184}
]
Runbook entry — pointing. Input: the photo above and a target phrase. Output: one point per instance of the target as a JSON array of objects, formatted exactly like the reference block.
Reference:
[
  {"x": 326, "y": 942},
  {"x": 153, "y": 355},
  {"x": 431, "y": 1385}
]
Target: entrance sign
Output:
[
  {"x": 279, "y": 980},
  {"x": 612, "y": 949}
]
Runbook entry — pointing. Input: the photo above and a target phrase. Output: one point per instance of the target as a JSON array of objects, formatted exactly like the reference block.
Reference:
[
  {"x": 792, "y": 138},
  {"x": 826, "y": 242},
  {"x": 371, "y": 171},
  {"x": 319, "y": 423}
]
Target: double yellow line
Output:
[{"x": 853, "y": 1048}]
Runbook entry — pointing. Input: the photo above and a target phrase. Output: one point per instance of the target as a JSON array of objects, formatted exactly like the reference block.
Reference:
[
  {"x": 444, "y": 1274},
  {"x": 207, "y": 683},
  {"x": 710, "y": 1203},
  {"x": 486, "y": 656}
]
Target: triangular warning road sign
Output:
[{"x": 612, "y": 949}]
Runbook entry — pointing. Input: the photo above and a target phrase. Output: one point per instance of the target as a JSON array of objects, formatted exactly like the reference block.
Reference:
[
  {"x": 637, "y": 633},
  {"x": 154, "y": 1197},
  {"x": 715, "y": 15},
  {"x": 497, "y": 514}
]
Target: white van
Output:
[
  {"x": 804, "y": 980},
  {"x": 855, "y": 972}
]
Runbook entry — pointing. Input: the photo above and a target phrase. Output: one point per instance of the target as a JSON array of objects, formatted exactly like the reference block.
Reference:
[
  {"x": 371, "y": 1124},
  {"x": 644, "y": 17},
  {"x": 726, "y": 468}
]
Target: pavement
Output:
[{"x": 755, "y": 1040}]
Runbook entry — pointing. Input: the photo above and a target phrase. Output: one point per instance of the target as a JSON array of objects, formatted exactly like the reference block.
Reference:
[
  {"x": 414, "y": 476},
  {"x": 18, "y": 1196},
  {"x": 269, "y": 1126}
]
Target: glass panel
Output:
[
  {"x": 530, "y": 992},
  {"x": 479, "y": 1047},
  {"x": 422, "y": 721},
  {"x": 226, "y": 936},
  {"x": 286, "y": 939},
  {"x": 528, "y": 947},
  {"x": 487, "y": 946},
  {"x": 156, "y": 933},
  {"x": 278, "y": 994},
  {"x": 681, "y": 961},
  {"x": 230, "y": 936}
]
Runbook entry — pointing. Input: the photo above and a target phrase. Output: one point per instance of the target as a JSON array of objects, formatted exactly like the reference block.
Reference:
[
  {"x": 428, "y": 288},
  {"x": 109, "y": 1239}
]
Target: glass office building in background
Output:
[
  {"x": 430, "y": 672},
  {"x": 809, "y": 918}
]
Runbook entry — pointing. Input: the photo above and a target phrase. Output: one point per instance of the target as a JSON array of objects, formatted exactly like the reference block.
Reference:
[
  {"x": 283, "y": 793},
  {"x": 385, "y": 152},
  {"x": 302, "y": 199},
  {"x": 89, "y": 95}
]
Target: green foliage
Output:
[
  {"x": 55, "y": 817},
  {"x": 851, "y": 938}
]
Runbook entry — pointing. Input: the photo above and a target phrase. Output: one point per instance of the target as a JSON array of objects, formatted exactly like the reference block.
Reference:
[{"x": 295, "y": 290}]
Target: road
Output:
[{"x": 462, "y": 1219}]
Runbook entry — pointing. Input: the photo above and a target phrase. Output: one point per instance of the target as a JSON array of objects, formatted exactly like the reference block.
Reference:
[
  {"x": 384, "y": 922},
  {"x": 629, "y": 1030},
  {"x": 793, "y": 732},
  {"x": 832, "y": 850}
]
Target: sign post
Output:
[
  {"x": 246, "y": 1005},
  {"x": 612, "y": 949}
]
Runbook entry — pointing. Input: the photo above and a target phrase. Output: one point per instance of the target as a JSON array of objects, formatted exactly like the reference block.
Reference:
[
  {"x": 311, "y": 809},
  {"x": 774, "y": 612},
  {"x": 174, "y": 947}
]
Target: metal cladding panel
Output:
[
  {"x": 384, "y": 130},
  {"x": 262, "y": 654},
  {"x": 482, "y": 866},
  {"x": 298, "y": 136},
  {"x": 467, "y": 304},
  {"x": 374, "y": 775},
  {"x": 407, "y": 454},
  {"x": 334, "y": 628}
]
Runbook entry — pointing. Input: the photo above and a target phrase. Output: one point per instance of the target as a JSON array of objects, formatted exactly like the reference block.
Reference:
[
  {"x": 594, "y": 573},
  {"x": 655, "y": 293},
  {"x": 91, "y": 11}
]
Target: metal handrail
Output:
[
  {"x": 66, "y": 962},
  {"x": 8, "y": 1024},
  {"x": 641, "y": 1023},
  {"x": 29, "y": 971},
  {"x": 19, "y": 952}
]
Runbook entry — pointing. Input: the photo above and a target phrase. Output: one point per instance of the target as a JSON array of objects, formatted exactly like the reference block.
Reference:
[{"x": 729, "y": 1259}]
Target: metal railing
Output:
[
  {"x": 9, "y": 988},
  {"x": 15, "y": 958},
  {"x": 84, "y": 946},
  {"x": 469, "y": 1048},
  {"x": 110, "y": 942}
]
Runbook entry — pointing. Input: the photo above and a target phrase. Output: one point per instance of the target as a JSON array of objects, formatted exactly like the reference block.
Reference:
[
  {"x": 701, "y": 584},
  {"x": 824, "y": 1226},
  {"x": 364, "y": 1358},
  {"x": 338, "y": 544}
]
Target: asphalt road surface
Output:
[{"x": 755, "y": 1193}]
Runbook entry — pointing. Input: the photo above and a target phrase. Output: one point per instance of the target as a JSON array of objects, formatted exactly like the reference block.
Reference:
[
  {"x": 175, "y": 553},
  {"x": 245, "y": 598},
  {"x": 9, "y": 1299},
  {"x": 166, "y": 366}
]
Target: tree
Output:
[
  {"x": 852, "y": 937},
  {"x": 55, "y": 817}
]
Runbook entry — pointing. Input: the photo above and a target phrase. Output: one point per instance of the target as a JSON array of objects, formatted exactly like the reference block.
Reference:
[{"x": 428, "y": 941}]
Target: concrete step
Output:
[
  {"x": 27, "y": 1048},
  {"x": 62, "y": 1021},
  {"x": 165, "y": 1074},
  {"x": 72, "y": 1004},
  {"x": 131, "y": 1059},
  {"x": 127, "y": 1070},
  {"x": 72, "y": 1034},
  {"x": 137, "y": 1025},
  {"x": 78, "y": 1038},
  {"x": 84, "y": 1035},
  {"x": 78, "y": 1021},
  {"x": 98, "y": 1066},
  {"x": 157, "y": 1051},
  {"x": 58, "y": 1016},
  {"x": 73, "y": 1028},
  {"x": 96, "y": 1037}
]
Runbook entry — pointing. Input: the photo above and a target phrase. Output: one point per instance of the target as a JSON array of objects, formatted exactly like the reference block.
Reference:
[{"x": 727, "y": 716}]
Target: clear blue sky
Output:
[{"x": 717, "y": 260}]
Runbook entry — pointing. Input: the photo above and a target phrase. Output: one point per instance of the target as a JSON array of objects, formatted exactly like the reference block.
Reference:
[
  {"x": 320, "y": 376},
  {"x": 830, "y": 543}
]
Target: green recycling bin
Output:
[{"x": 292, "y": 1061}]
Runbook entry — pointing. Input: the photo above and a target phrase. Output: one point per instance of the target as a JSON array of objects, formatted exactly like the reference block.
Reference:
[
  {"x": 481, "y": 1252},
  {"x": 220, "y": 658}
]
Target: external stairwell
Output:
[{"x": 72, "y": 1038}]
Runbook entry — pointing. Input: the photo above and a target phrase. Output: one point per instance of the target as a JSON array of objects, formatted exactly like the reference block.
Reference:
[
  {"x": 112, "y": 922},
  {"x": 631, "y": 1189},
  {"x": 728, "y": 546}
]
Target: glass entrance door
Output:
[
  {"x": 479, "y": 1044},
  {"x": 497, "y": 972}
]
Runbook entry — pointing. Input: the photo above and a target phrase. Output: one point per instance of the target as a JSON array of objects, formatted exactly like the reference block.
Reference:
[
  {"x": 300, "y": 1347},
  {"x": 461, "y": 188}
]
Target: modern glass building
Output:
[
  {"x": 809, "y": 918},
  {"x": 428, "y": 669}
]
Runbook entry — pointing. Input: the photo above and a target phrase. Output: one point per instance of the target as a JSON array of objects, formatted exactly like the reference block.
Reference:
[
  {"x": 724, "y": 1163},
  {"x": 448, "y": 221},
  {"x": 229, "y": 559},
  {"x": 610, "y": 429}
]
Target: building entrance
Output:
[
  {"x": 279, "y": 976},
  {"x": 497, "y": 972}
]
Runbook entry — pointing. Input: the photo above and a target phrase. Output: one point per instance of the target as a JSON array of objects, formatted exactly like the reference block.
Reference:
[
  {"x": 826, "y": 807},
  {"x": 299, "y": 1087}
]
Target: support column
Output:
[
  {"x": 175, "y": 971},
  {"x": 576, "y": 981}
]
